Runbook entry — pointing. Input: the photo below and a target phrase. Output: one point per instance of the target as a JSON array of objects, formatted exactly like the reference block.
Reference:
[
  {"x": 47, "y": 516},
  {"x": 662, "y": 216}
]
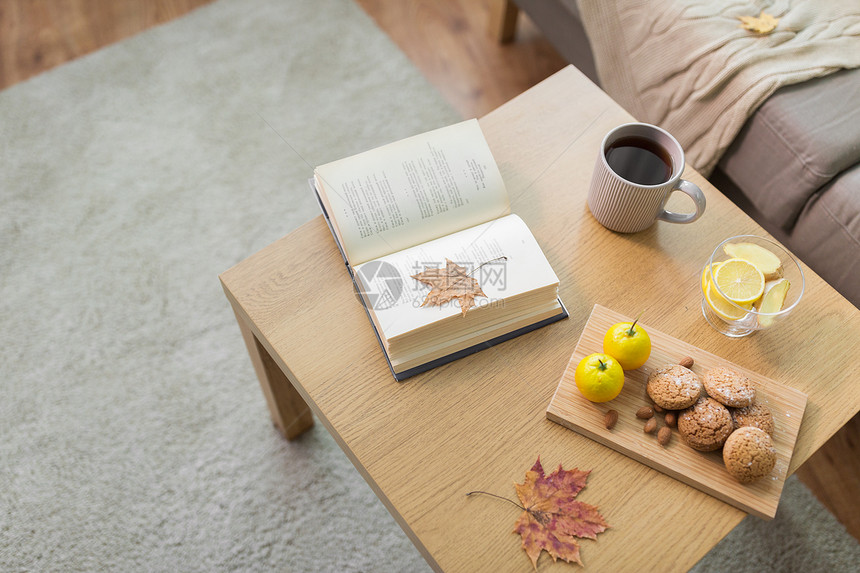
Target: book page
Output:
[
  {"x": 411, "y": 191},
  {"x": 404, "y": 361},
  {"x": 396, "y": 297}
]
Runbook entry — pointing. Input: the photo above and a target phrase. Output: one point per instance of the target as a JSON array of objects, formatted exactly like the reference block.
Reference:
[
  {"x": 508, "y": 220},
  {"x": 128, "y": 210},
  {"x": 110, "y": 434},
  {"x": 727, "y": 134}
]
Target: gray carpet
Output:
[{"x": 134, "y": 434}]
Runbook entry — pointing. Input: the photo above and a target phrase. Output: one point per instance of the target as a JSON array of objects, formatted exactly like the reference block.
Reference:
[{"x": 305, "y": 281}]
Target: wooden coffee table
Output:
[{"x": 479, "y": 423}]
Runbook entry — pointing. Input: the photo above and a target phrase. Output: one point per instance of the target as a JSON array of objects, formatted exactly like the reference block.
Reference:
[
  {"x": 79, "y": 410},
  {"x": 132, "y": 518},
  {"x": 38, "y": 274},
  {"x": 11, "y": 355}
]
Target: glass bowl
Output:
[{"x": 769, "y": 310}]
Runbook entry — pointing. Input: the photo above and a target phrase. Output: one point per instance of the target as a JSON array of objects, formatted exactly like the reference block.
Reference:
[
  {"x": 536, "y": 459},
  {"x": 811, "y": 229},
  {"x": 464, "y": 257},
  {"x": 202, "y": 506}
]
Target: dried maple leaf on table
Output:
[
  {"x": 449, "y": 283},
  {"x": 552, "y": 518},
  {"x": 762, "y": 24}
]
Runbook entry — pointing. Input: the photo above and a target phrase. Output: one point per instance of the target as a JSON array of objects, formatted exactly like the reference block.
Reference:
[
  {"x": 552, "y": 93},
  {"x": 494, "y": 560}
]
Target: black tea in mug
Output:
[{"x": 640, "y": 160}]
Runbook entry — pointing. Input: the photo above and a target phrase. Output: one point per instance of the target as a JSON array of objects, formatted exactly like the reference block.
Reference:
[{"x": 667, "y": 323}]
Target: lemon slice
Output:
[
  {"x": 705, "y": 277},
  {"x": 764, "y": 260},
  {"x": 740, "y": 281},
  {"x": 773, "y": 301},
  {"x": 722, "y": 307}
]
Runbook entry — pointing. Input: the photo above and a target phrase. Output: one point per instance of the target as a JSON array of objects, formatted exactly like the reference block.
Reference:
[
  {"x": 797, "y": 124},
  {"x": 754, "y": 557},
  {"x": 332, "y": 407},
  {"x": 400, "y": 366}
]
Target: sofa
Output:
[{"x": 794, "y": 166}]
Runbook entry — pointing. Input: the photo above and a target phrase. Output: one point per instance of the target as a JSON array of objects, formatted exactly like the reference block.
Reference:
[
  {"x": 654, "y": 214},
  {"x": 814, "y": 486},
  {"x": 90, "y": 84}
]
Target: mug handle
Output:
[{"x": 698, "y": 197}]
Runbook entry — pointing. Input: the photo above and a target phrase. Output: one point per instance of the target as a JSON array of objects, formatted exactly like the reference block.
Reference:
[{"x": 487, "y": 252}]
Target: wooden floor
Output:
[
  {"x": 35, "y": 36},
  {"x": 448, "y": 41}
]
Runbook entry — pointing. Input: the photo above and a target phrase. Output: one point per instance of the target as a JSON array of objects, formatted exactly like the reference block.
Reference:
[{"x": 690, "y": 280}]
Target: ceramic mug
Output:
[{"x": 639, "y": 166}]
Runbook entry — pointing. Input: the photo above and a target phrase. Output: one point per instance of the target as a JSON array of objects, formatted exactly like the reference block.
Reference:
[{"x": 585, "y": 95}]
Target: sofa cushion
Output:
[
  {"x": 828, "y": 233},
  {"x": 798, "y": 140},
  {"x": 560, "y": 23}
]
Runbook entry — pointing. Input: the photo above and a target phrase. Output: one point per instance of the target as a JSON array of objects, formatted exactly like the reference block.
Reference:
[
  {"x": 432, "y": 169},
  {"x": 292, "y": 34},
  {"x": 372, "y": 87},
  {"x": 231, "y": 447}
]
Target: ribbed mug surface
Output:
[{"x": 620, "y": 206}]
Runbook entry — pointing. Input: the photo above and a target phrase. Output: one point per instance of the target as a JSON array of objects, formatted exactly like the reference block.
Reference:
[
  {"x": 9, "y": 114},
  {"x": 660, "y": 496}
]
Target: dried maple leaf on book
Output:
[
  {"x": 762, "y": 24},
  {"x": 449, "y": 283}
]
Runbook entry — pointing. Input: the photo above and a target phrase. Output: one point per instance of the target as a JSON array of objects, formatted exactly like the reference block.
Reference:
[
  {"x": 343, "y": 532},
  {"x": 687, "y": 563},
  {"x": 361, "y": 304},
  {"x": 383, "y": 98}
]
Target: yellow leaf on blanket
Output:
[{"x": 763, "y": 24}]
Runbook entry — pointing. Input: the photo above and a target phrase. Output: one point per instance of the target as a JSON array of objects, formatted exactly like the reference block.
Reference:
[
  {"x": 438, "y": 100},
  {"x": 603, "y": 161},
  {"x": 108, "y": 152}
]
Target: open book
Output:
[{"x": 400, "y": 209}]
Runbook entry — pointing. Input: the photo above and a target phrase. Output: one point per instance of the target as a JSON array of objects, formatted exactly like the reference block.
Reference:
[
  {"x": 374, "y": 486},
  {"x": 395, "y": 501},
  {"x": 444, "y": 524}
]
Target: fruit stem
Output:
[
  {"x": 602, "y": 364},
  {"x": 632, "y": 332}
]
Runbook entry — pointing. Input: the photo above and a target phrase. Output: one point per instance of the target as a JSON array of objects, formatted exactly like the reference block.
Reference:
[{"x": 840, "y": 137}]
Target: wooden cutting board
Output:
[{"x": 704, "y": 471}]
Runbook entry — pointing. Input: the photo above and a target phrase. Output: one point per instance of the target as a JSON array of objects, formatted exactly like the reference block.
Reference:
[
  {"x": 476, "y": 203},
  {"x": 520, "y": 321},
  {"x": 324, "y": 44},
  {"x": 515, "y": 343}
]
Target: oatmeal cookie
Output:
[
  {"x": 756, "y": 415},
  {"x": 674, "y": 387},
  {"x": 749, "y": 454},
  {"x": 729, "y": 387},
  {"x": 706, "y": 425}
]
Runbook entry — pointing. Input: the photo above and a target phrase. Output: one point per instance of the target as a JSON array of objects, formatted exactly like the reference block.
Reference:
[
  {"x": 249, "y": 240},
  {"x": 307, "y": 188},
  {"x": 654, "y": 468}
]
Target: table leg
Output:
[
  {"x": 290, "y": 413},
  {"x": 503, "y": 20}
]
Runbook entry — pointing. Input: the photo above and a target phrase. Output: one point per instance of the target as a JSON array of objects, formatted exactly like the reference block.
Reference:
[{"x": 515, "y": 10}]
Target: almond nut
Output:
[
  {"x": 686, "y": 362},
  {"x": 671, "y": 419},
  {"x": 657, "y": 408},
  {"x": 650, "y": 426},
  {"x": 644, "y": 413},
  {"x": 610, "y": 419},
  {"x": 664, "y": 436}
]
